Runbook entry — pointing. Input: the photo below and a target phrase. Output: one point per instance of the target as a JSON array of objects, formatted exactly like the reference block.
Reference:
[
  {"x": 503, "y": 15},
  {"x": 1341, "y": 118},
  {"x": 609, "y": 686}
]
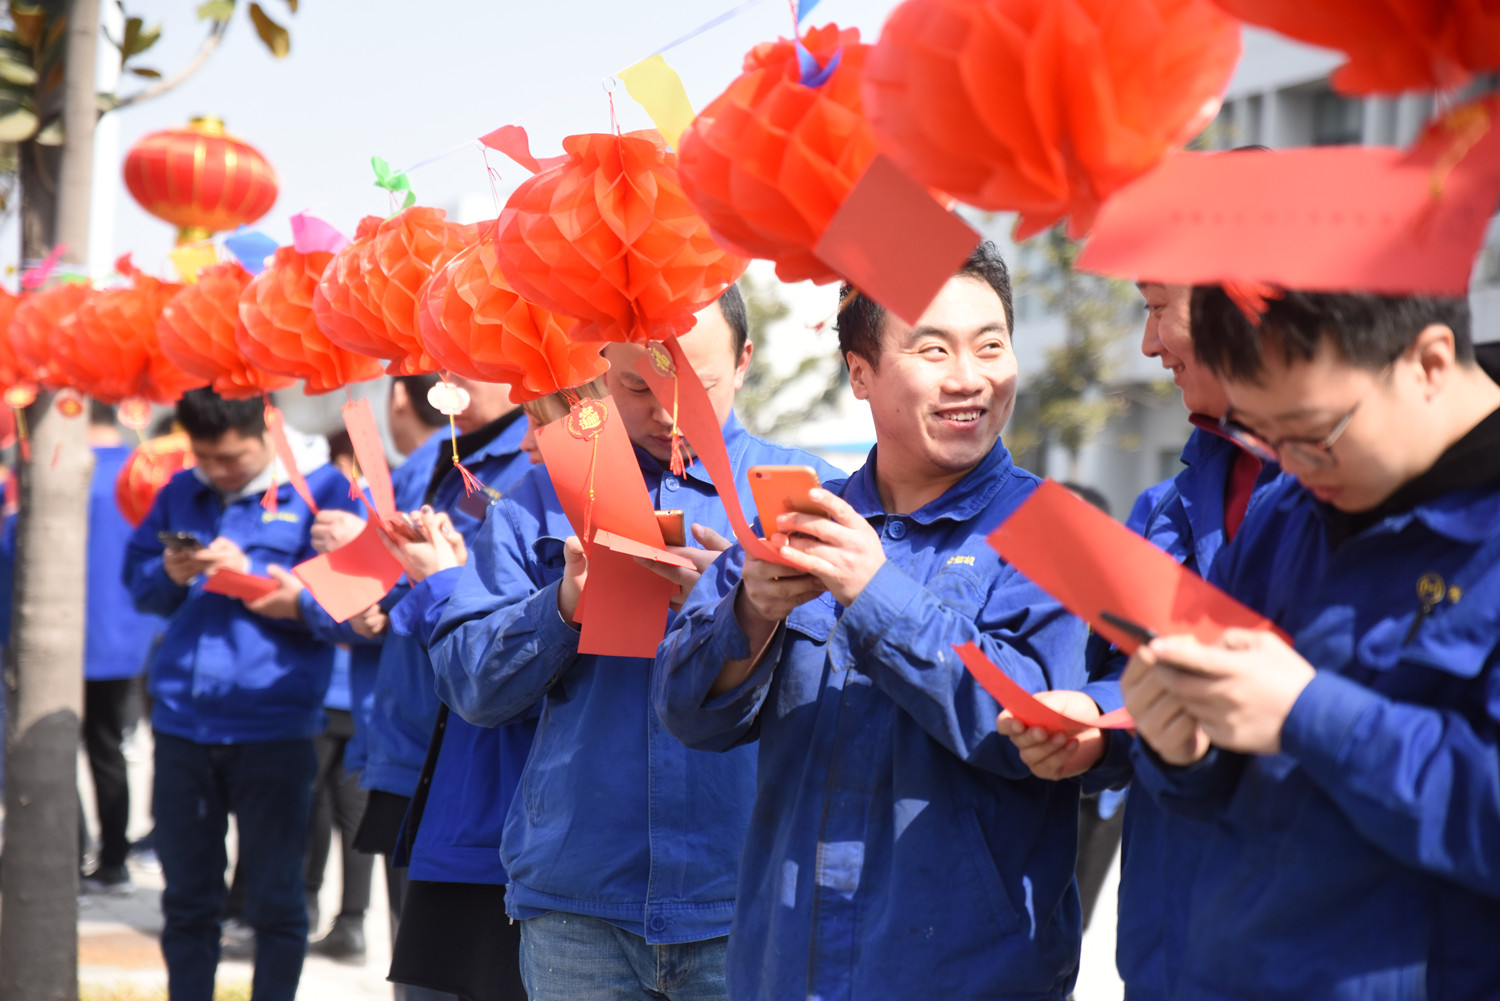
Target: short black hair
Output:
[
  {"x": 732, "y": 306},
  {"x": 1090, "y": 494},
  {"x": 416, "y": 391},
  {"x": 1369, "y": 331},
  {"x": 860, "y": 317},
  {"x": 207, "y": 416}
]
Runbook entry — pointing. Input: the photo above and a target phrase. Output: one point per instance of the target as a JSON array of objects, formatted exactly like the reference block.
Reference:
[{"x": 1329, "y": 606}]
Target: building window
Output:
[{"x": 1337, "y": 120}]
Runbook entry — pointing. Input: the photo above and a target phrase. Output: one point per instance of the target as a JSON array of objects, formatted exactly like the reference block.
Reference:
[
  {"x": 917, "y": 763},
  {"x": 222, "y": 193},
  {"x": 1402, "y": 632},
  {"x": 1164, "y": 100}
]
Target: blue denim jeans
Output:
[
  {"x": 268, "y": 787},
  {"x": 569, "y": 957}
]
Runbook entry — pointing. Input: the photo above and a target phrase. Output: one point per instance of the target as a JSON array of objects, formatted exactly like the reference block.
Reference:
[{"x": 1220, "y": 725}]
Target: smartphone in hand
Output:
[
  {"x": 782, "y": 490},
  {"x": 179, "y": 540},
  {"x": 673, "y": 529}
]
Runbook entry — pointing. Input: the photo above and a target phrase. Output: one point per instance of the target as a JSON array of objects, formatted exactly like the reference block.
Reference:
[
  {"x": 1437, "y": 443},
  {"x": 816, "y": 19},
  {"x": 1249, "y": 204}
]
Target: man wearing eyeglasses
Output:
[
  {"x": 1351, "y": 778},
  {"x": 1193, "y": 520}
]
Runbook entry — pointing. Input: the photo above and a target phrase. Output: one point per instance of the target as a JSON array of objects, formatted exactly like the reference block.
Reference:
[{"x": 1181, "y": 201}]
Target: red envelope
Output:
[
  {"x": 1023, "y": 705},
  {"x": 234, "y": 584},
  {"x": 629, "y": 547},
  {"x": 352, "y": 578},
  {"x": 369, "y": 452},
  {"x": 1093, "y": 564},
  {"x": 623, "y": 611}
]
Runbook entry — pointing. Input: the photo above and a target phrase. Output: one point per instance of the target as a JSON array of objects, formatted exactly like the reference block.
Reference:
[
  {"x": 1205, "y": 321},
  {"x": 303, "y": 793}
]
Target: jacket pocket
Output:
[
  {"x": 815, "y": 619},
  {"x": 983, "y": 878}
]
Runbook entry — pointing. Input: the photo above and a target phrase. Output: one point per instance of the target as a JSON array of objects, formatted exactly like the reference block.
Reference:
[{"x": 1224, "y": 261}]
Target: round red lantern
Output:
[
  {"x": 200, "y": 179},
  {"x": 769, "y": 161},
  {"x": 196, "y": 331},
  {"x": 12, "y": 369},
  {"x": 1044, "y": 107},
  {"x": 36, "y": 329},
  {"x": 278, "y": 331},
  {"x": 609, "y": 238},
  {"x": 475, "y": 325},
  {"x": 108, "y": 347},
  {"x": 147, "y": 469}
]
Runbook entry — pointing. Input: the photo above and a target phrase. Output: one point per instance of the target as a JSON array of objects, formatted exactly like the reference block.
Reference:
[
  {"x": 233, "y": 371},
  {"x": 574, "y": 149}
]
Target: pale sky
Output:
[{"x": 409, "y": 81}]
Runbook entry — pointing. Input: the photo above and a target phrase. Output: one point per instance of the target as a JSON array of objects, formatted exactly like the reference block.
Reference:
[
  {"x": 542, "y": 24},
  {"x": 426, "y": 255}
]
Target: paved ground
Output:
[{"x": 118, "y": 935}]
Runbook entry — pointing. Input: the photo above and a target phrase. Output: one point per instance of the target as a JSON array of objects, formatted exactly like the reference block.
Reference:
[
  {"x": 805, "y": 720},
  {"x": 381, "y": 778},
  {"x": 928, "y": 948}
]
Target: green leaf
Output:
[
  {"x": 17, "y": 73},
  {"x": 107, "y": 102},
  {"x": 138, "y": 38},
  {"x": 149, "y": 74},
  {"x": 52, "y": 134},
  {"x": 277, "y": 39},
  {"x": 17, "y": 124},
  {"x": 216, "y": 10},
  {"x": 411, "y": 199}
]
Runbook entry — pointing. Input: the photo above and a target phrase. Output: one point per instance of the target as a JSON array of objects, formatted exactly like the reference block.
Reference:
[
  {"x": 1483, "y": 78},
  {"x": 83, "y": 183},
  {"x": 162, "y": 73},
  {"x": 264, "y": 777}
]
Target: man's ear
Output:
[
  {"x": 861, "y": 374},
  {"x": 1437, "y": 356},
  {"x": 742, "y": 367},
  {"x": 400, "y": 400}
]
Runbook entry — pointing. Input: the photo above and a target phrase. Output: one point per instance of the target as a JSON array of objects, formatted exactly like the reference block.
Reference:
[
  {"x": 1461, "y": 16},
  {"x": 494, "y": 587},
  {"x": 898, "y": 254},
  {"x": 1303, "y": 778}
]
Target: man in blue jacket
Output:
[
  {"x": 1198, "y": 513},
  {"x": 898, "y": 847},
  {"x": 621, "y": 845},
  {"x": 238, "y": 696},
  {"x": 1350, "y": 781}
]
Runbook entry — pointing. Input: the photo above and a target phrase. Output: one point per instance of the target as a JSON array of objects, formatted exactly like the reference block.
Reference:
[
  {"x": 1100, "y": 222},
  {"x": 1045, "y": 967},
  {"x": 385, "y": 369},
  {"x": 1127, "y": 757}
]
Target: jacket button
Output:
[
  {"x": 896, "y": 529},
  {"x": 669, "y": 482},
  {"x": 658, "y": 923}
]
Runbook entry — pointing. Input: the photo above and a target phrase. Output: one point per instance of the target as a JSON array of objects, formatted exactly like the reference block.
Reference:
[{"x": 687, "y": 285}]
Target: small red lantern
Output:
[
  {"x": 768, "y": 162},
  {"x": 36, "y": 329},
  {"x": 197, "y": 332},
  {"x": 147, "y": 469},
  {"x": 609, "y": 238},
  {"x": 279, "y": 333},
  {"x": 200, "y": 179},
  {"x": 475, "y": 325}
]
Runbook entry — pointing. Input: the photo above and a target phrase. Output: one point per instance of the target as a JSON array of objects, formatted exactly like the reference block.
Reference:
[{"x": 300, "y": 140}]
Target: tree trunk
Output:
[{"x": 44, "y": 668}]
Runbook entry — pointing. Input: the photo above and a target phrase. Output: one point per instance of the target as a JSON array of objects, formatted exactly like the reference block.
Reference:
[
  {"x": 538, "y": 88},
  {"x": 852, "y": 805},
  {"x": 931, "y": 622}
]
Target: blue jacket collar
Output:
[{"x": 960, "y": 502}]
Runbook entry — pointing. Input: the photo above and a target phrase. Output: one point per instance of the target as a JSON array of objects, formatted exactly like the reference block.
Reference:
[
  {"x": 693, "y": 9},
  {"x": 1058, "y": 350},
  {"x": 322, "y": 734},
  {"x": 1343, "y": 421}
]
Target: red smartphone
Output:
[
  {"x": 673, "y": 530},
  {"x": 782, "y": 490}
]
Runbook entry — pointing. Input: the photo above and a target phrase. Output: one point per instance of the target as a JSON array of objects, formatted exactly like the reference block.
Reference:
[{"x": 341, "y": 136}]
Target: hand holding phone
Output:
[
  {"x": 179, "y": 540},
  {"x": 782, "y": 490},
  {"x": 673, "y": 528}
]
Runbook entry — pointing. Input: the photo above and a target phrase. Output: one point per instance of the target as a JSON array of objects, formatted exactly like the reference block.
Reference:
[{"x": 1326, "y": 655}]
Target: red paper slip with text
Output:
[
  {"x": 353, "y": 577},
  {"x": 234, "y": 584},
  {"x": 1023, "y": 705},
  {"x": 1093, "y": 564}
]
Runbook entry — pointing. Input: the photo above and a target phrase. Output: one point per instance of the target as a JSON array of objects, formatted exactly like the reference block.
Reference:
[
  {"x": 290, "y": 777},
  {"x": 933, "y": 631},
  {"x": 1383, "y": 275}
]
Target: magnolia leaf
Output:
[
  {"x": 51, "y": 135},
  {"x": 216, "y": 10},
  {"x": 17, "y": 124},
  {"x": 277, "y": 39},
  {"x": 17, "y": 73},
  {"x": 149, "y": 74},
  {"x": 107, "y": 102},
  {"x": 30, "y": 21}
]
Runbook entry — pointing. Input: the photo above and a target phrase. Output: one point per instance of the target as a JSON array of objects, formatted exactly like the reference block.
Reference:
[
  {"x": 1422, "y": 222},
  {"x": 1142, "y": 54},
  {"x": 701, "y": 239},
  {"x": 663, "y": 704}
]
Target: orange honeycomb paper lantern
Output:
[
  {"x": 475, "y": 325},
  {"x": 147, "y": 469},
  {"x": 13, "y": 371},
  {"x": 200, "y": 179},
  {"x": 278, "y": 331},
  {"x": 367, "y": 298},
  {"x": 1044, "y": 107},
  {"x": 36, "y": 329},
  {"x": 1392, "y": 45},
  {"x": 769, "y": 161},
  {"x": 108, "y": 348},
  {"x": 609, "y": 238},
  {"x": 196, "y": 332}
]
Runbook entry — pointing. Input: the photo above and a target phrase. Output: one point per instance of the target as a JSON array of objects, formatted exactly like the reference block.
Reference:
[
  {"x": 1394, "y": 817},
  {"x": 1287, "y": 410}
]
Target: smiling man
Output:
[
  {"x": 898, "y": 846},
  {"x": 1353, "y": 777}
]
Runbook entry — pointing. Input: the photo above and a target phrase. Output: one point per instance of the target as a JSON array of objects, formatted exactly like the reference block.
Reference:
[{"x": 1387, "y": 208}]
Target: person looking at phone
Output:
[
  {"x": 898, "y": 846},
  {"x": 237, "y": 696},
  {"x": 621, "y": 845}
]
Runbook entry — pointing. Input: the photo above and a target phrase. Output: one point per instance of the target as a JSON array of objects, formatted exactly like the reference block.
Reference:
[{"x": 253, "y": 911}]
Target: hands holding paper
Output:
[
  {"x": 370, "y": 623},
  {"x": 1235, "y": 694},
  {"x": 182, "y": 565},
  {"x": 335, "y": 529},
  {"x": 575, "y": 575},
  {"x": 1051, "y": 754},
  {"x": 282, "y": 602},
  {"x": 713, "y": 544},
  {"x": 442, "y": 549}
]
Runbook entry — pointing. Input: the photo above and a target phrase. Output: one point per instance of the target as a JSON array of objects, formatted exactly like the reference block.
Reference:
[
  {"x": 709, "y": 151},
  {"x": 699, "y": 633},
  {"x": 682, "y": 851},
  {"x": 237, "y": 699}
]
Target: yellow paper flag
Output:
[
  {"x": 187, "y": 260},
  {"x": 657, "y": 88}
]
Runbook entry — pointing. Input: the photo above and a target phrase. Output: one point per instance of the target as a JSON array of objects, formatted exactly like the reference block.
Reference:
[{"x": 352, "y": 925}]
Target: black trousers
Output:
[
  {"x": 106, "y": 706},
  {"x": 338, "y": 801}
]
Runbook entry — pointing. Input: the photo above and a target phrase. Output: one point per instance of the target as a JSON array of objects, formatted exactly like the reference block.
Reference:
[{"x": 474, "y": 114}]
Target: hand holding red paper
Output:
[
  {"x": 1052, "y": 754},
  {"x": 280, "y": 602},
  {"x": 235, "y": 584},
  {"x": 688, "y": 564},
  {"x": 1163, "y": 721},
  {"x": 438, "y": 547},
  {"x": 839, "y": 548}
]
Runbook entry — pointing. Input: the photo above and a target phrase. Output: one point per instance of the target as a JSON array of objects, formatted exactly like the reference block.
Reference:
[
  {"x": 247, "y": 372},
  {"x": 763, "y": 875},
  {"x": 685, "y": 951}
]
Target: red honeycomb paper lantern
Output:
[
  {"x": 196, "y": 331},
  {"x": 36, "y": 329},
  {"x": 609, "y": 238},
  {"x": 13, "y": 371},
  {"x": 147, "y": 469},
  {"x": 769, "y": 161},
  {"x": 278, "y": 331},
  {"x": 475, "y": 325},
  {"x": 1044, "y": 107},
  {"x": 200, "y": 179}
]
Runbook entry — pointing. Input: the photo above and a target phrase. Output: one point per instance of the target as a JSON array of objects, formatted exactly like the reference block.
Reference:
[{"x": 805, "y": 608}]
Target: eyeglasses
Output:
[{"x": 1312, "y": 453}]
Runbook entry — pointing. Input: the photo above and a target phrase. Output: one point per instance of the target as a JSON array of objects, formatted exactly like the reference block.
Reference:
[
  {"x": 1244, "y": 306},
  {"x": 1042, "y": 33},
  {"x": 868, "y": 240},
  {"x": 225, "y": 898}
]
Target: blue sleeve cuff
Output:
[
  {"x": 551, "y": 628},
  {"x": 729, "y": 642},
  {"x": 418, "y": 613},
  {"x": 1318, "y": 728},
  {"x": 864, "y": 622}
]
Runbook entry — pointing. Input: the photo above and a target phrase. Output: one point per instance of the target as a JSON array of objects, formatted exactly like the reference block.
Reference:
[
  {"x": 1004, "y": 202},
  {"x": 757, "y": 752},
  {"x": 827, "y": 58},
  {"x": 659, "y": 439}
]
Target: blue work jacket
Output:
[
  {"x": 614, "y": 818},
  {"x": 898, "y": 847},
  {"x": 222, "y": 674},
  {"x": 1361, "y": 862}
]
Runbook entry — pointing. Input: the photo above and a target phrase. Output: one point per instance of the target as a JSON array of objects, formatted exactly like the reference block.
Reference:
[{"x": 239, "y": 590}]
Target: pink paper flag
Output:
[{"x": 311, "y": 234}]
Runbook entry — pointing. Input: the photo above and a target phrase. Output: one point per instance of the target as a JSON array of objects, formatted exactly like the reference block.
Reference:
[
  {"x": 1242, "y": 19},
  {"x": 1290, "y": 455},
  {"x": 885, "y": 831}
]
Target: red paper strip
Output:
[
  {"x": 353, "y": 577},
  {"x": 629, "y": 547},
  {"x": 234, "y": 584},
  {"x": 1093, "y": 564},
  {"x": 1332, "y": 218},
  {"x": 369, "y": 452},
  {"x": 1023, "y": 705},
  {"x": 894, "y": 242},
  {"x": 696, "y": 418},
  {"x": 512, "y": 141},
  {"x": 276, "y": 425},
  {"x": 624, "y": 607}
]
